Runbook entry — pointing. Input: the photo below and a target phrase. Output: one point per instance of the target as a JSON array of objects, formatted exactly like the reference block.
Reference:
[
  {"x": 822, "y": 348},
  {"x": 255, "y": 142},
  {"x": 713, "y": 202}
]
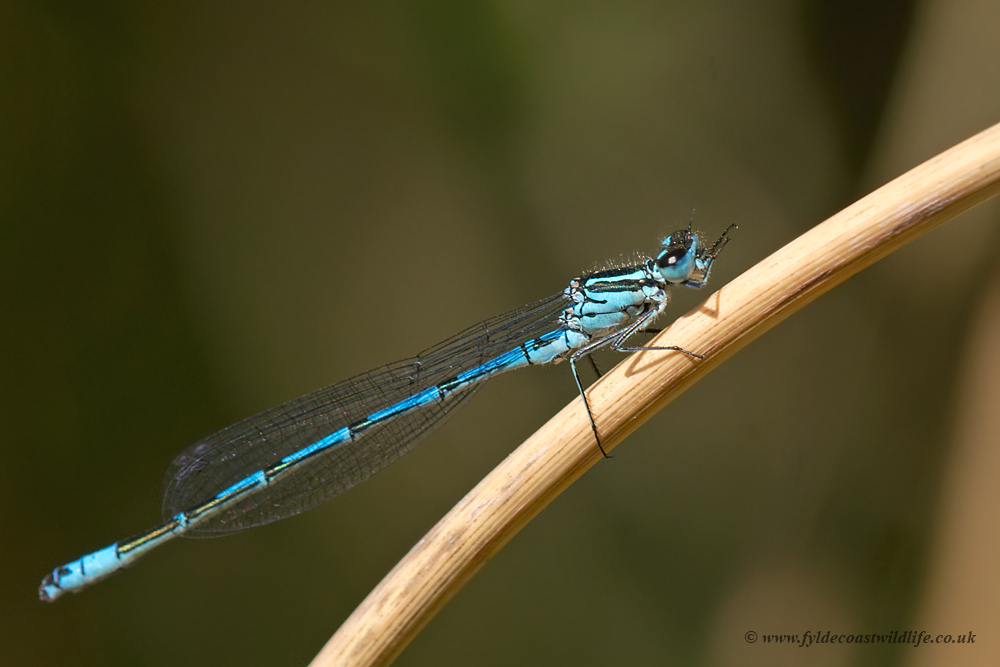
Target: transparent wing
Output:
[{"x": 205, "y": 469}]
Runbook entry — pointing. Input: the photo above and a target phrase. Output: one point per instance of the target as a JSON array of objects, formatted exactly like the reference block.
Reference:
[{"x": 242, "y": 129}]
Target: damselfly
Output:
[{"x": 293, "y": 457}]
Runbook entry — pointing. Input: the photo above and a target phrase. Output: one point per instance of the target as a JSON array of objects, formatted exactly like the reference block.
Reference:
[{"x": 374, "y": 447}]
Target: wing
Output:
[{"x": 202, "y": 471}]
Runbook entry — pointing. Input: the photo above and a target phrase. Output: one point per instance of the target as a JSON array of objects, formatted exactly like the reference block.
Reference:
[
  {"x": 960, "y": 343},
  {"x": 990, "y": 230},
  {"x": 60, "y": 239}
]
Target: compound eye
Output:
[{"x": 670, "y": 258}]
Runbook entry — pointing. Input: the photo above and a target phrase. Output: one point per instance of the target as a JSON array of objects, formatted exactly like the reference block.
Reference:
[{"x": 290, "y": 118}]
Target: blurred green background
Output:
[{"x": 208, "y": 208}]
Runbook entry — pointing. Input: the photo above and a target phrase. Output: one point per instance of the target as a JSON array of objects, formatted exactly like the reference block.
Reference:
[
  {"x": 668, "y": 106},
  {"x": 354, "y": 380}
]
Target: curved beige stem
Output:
[{"x": 560, "y": 451}]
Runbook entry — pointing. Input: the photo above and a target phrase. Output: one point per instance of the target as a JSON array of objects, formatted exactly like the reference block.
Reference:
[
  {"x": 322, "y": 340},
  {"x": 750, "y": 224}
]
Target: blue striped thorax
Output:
[{"x": 608, "y": 300}]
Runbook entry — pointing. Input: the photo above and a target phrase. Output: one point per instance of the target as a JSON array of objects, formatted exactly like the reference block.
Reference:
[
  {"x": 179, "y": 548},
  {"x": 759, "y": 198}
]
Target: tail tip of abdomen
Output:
[{"x": 49, "y": 589}]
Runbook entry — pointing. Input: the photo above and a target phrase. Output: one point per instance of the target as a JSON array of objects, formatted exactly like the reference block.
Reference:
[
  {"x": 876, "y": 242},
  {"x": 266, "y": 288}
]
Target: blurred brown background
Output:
[{"x": 208, "y": 208}]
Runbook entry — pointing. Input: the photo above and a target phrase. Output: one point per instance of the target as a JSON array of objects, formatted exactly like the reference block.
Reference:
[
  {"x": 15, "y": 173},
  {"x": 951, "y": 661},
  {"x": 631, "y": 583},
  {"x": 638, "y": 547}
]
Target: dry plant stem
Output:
[{"x": 552, "y": 458}]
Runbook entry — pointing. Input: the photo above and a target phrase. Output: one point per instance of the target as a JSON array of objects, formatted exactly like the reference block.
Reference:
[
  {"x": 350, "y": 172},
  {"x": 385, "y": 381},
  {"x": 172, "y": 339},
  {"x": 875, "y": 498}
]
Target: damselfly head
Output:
[
  {"x": 684, "y": 261},
  {"x": 676, "y": 262}
]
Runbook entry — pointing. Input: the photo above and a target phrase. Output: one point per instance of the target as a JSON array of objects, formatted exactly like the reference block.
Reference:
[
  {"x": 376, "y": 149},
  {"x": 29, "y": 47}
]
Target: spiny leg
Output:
[
  {"x": 721, "y": 242},
  {"x": 586, "y": 404},
  {"x": 615, "y": 340},
  {"x": 706, "y": 260},
  {"x": 617, "y": 347},
  {"x": 618, "y": 339},
  {"x": 585, "y": 351}
]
